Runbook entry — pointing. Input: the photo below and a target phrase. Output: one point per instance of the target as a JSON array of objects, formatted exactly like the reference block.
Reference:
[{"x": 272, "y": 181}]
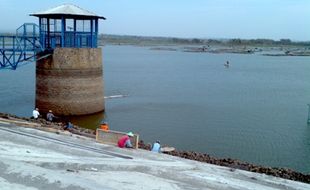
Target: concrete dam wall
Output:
[{"x": 70, "y": 82}]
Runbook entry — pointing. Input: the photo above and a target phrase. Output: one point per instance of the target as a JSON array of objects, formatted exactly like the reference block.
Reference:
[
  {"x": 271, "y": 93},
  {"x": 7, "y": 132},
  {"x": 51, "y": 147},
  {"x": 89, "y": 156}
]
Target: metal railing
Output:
[
  {"x": 21, "y": 48},
  {"x": 29, "y": 40},
  {"x": 69, "y": 39}
]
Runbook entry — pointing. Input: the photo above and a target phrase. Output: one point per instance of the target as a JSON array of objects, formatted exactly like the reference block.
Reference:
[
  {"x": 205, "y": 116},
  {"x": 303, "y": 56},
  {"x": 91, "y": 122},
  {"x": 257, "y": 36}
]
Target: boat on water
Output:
[{"x": 226, "y": 64}]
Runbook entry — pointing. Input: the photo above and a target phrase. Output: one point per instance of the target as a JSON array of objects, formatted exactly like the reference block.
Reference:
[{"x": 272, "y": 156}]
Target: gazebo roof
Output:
[{"x": 67, "y": 10}]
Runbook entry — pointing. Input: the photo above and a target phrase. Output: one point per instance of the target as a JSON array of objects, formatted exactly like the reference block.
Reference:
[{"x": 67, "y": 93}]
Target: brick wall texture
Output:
[{"x": 70, "y": 82}]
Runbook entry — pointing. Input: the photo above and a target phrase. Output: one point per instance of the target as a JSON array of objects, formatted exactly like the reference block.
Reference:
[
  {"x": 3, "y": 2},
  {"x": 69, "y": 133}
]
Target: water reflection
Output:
[{"x": 88, "y": 121}]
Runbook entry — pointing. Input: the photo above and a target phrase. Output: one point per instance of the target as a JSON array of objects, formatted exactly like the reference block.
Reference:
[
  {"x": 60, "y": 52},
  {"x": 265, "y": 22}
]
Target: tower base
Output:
[{"x": 70, "y": 82}]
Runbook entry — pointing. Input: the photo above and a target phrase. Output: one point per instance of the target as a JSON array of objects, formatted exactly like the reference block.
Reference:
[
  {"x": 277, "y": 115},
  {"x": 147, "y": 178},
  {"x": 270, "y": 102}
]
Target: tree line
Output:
[{"x": 126, "y": 39}]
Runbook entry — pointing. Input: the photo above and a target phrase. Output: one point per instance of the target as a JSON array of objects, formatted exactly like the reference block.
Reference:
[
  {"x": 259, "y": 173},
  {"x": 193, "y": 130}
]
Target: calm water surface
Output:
[{"x": 255, "y": 110}]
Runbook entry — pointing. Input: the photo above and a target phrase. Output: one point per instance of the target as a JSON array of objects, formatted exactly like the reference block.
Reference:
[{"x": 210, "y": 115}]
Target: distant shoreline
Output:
[
  {"x": 265, "y": 47},
  {"x": 264, "y": 51},
  {"x": 157, "y": 41}
]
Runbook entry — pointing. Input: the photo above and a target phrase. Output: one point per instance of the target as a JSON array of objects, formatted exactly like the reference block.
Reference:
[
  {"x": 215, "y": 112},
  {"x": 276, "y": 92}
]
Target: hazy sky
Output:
[{"x": 273, "y": 19}]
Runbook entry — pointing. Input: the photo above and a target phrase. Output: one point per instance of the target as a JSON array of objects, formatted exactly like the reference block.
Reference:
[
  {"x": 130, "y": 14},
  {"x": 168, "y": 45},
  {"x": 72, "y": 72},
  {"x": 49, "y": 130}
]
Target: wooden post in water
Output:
[{"x": 308, "y": 114}]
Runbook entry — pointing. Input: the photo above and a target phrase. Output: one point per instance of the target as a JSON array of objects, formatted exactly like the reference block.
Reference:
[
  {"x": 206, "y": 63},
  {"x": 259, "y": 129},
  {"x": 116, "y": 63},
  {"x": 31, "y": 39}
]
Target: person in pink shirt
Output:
[{"x": 124, "y": 141}]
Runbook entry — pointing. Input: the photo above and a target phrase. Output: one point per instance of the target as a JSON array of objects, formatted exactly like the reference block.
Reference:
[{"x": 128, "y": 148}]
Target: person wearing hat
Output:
[
  {"x": 156, "y": 147},
  {"x": 104, "y": 126},
  {"x": 50, "y": 116},
  {"x": 124, "y": 141}
]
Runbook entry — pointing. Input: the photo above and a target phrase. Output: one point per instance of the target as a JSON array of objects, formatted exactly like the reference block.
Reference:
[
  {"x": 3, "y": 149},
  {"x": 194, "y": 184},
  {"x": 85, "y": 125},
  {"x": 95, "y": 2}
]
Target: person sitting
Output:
[
  {"x": 104, "y": 126},
  {"x": 156, "y": 147},
  {"x": 124, "y": 141},
  {"x": 50, "y": 116},
  {"x": 35, "y": 113},
  {"x": 68, "y": 126}
]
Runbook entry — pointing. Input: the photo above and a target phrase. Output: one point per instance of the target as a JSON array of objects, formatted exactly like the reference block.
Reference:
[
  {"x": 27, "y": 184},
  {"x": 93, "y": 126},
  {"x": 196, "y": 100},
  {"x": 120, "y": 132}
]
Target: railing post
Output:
[
  {"x": 91, "y": 33},
  {"x": 74, "y": 33},
  {"x": 63, "y": 29},
  {"x": 33, "y": 36},
  {"x": 14, "y": 52},
  {"x": 24, "y": 36},
  {"x": 96, "y": 32},
  {"x": 48, "y": 34}
]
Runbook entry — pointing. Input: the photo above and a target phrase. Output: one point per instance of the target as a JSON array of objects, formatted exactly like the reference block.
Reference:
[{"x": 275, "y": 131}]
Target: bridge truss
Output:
[{"x": 20, "y": 49}]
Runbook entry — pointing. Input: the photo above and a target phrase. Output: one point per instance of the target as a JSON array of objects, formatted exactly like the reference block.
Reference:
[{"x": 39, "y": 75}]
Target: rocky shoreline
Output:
[
  {"x": 201, "y": 157},
  {"x": 237, "y": 164},
  {"x": 264, "y": 51}
]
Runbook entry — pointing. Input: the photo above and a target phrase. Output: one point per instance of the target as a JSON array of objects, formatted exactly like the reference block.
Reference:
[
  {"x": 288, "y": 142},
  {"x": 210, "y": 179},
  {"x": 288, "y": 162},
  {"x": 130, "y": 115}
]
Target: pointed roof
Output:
[{"x": 68, "y": 10}]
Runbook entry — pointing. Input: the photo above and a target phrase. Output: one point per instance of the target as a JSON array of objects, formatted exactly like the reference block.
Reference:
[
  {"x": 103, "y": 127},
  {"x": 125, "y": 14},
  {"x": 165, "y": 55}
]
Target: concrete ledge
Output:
[
  {"x": 33, "y": 163},
  {"x": 111, "y": 137},
  {"x": 19, "y": 123}
]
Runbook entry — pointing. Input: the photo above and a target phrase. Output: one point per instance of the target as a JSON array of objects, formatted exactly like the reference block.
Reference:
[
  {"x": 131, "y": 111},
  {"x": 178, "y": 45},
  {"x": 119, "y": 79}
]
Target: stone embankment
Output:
[
  {"x": 201, "y": 157},
  {"x": 237, "y": 164}
]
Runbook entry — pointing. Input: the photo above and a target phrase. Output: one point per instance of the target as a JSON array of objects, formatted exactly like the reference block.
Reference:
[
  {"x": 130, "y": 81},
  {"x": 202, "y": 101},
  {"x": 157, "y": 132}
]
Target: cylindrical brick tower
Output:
[
  {"x": 69, "y": 74},
  {"x": 70, "y": 81}
]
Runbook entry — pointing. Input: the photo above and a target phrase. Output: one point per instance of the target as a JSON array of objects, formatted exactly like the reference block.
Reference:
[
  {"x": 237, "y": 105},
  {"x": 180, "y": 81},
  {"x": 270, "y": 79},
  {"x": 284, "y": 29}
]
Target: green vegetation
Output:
[{"x": 140, "y": 40}]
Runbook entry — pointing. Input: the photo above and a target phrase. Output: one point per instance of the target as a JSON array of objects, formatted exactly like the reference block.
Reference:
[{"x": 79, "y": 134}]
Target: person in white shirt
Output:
[{"x": 35, "y": 113}]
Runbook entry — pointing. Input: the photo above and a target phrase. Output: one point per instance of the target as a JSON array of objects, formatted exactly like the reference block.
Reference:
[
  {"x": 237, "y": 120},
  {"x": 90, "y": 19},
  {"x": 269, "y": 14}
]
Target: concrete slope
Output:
[{"x": 31, "y": 159}]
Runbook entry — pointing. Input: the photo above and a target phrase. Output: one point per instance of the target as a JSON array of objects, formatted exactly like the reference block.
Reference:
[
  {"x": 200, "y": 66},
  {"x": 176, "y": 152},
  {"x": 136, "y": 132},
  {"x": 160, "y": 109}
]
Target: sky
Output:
[{"x": 246, "y": 19}]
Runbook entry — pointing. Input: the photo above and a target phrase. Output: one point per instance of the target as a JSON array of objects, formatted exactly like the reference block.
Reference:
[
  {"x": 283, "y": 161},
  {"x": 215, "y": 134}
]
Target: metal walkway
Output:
[{"x": 20, "y": 49}]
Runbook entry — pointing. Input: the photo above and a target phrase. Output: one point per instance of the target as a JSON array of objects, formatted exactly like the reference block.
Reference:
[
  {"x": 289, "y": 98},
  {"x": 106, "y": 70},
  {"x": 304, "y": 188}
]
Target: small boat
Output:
[
  {"x": 167, "y": 149},
  {"x": 226, "y": 64}
]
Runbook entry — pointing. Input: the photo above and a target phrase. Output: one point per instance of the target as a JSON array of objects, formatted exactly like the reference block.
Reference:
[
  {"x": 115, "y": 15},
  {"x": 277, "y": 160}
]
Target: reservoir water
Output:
[{"x": 255, "y": 110}]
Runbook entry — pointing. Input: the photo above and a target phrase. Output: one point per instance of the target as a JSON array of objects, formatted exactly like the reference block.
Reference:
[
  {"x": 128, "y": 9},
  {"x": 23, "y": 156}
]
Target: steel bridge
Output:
[
  {"x": 65, "y": 26},
  {"x": 21, "y": 48}
]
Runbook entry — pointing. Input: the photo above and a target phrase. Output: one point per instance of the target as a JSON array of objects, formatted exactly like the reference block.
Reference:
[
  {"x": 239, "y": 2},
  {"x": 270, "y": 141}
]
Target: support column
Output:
[
  {"x": 74, "y": 33},
  {"x": 92, "y": 33},
  {"x": 48, "y": 34},
  {"x": 63, "y": 30},
  {"x": 96, "y": 31}
]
